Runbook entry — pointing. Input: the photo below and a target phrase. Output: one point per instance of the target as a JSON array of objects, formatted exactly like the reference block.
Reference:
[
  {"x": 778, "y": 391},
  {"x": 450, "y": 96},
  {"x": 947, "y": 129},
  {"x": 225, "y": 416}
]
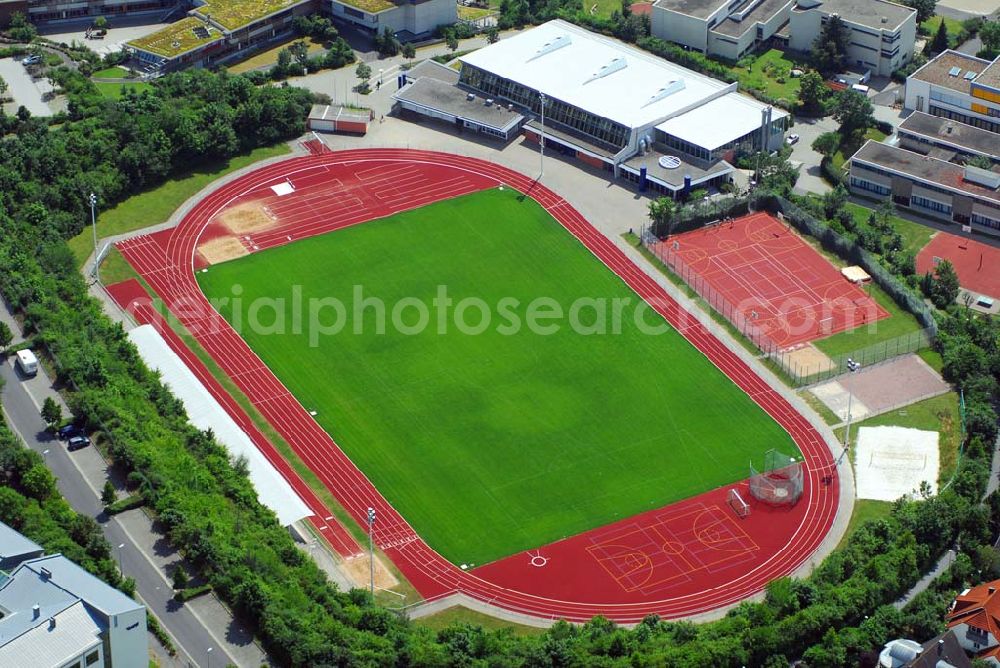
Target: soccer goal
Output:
[{"x": 736, "y": 502}]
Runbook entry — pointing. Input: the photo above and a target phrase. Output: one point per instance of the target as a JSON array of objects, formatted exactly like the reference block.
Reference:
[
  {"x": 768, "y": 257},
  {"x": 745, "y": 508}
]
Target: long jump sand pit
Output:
[
  {"x": 891, "y": 462},
  {"x": 358, "y": 570},
  {"x": 222, "y": 249},
  {"x": 247, "y": 217}
]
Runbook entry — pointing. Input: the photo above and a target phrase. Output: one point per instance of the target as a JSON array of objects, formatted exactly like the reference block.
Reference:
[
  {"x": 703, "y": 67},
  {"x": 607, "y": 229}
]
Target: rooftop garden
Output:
[
  {"x": 234, "y": 14},
  {"x": 177, "y": 38}
]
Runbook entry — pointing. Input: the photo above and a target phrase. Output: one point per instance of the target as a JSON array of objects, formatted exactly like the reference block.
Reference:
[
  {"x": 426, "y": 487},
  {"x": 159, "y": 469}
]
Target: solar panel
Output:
[
  {"x": 969, "y": 76},
  {"x": 200, "y": 32},
  {"x": 955, "y": 71}
]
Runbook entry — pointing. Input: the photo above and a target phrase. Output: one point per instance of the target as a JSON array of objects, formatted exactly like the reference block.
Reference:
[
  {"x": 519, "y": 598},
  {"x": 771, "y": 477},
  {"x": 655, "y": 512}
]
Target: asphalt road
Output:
[{"x": 190, "y": 637}]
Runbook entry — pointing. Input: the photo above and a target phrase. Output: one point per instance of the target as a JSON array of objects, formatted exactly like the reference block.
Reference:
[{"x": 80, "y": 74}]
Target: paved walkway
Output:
[{"x": 23, "y": 89}]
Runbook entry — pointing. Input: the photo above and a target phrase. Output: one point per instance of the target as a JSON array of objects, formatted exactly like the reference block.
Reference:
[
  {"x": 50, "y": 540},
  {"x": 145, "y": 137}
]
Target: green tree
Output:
[
  {"x": 299, "y": 50},
  {"x": 940, "y": 41},
  {"x": 180, "y": 577},
  {"x": 51, "y": 412},
  {"x": 827, "y": 144},
  {"x": 6, "y": 336},
  {"x": 812, "y": 91},
  {"x": 492, "y": 35},
  {"x": 941, "y": 285},
  {"x": 989, "y": 32},
  {"x": 21, "y": 29},
  {"x": 284, "y": 61},
  {"x": 452, "y": 41},
  {"x": 101, "y": 23},
  {"x": 38, "y": 482},
  {"x": 108, "y": 494},
  {"x": 834, "y": 201},
  {"x": 364, "y": 73},
  {"x": 925, "y": 8},
  {"x": 409, "y": 51},
  {"x": 854, "y": 113},
  {"x": 662, "y": 212},
  {"x": 829, "y": 51},
  {"x": 386, "y": 43},
  {"x": 3, "y": 87}
]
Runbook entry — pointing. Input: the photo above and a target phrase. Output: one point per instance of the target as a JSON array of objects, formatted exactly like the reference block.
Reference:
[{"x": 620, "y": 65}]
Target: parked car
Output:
[
  {"x": 77, "y": 442},
  {"x": 792, "y": 139},
  {"x": 31, "y": 60},
  {"x": 69, "y": 431}
]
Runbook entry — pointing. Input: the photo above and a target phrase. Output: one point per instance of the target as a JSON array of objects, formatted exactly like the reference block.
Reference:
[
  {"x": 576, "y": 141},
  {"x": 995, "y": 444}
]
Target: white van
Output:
[{"x": 27, "y": 362}]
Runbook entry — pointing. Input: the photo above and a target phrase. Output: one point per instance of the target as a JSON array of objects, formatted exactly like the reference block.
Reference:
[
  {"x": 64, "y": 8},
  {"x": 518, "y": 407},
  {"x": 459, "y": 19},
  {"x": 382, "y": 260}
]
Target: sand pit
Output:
[
  {"x": 222, "y": 249},
  {"x": 357, "y": 570},
  {"x": 246, "y": 218},
  {"x": 807, "y": 361},
  {"x": 891, "y": 462}
]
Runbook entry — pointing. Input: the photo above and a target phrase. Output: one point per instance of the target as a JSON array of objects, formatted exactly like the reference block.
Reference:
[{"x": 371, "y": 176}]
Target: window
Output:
[
  {"x": 93, "y": 657},
  {"x": 930, "y": 204},
  {"x": 869, "y": 186},
  {"x": 986, "y": 221}
]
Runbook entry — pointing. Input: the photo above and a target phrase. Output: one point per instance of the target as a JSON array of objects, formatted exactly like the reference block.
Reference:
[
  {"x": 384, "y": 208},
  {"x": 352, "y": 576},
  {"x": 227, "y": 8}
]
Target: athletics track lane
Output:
[{"x": 167, "y": 260}]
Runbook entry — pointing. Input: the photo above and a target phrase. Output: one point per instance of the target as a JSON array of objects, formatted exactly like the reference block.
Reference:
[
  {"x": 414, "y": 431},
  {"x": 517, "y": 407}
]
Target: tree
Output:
[
  {"x": 386, "y": 43},
  {"x": 661, "y": 214},
  {"x": 827, "y": 144},
  {"x": 989, "y": 32},
  {"x": 812, "y": 91},
  {"x": 941, "y": 285},
  {"x": 21, "y": 30},
  {"x": 364, "y": 73},
  {"x": 3, "y": 87},
  {"x": 925, "y": 8},
  {"x": 452, "y": 41},
  {"x": 834, "y": 201},
  {"x": 38, "y": 482},
  {"x": 180, "y": 577},
  {"x": 6, "y": 336},
  {"x": 492, "y": 35},
  {"x": 829, "y": 51},
  {"x": 409, "y": 51},
  {"x": 300, "y": 52},
  {"x": 940, "y": 41},
  {"x": 101, "y": 23},
  {"x": 51, "y": 412},
  {"x": 108, "y": 494},
  {"x": 854, "y": 113},
  {"x": 284, "y": 61}
]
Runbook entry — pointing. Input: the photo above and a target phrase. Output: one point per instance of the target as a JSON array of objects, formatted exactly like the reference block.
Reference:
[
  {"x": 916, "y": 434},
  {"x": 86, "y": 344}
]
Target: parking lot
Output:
[{"x": 24, "y": 91}]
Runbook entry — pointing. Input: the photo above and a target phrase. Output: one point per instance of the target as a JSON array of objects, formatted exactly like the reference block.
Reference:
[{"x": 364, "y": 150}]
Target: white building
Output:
[
  {"x": 406, "y": 18},
  {"x": 959, "y": 87},
  {"x": 55, "y": 614},
  {"x": 612, "y": 106},
  {"x": 882, "y": 33}
]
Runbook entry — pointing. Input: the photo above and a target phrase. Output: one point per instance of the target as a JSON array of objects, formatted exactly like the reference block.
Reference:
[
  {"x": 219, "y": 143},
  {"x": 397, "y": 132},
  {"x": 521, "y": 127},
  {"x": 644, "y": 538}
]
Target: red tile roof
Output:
[{"x": 979, "y": 607}]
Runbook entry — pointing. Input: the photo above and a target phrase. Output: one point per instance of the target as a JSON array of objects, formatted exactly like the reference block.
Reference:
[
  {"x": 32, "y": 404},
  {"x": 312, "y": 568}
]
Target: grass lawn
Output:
[
  {"x": 155, "y": 206},
  {"x": 269, "y": 57},
  {"x": 940, "y": 414},
  {"x": 511, "y": 438},
  {"x": 115, "y": 268},
  {"x": 864, "y": 510},
  {"x": 899, "y": 323},
  {"x": 111, "y": 73},
  {"x": 460, "y": 615},
  {"x": 821, "y": 409},
  {"x": 114, "y": 90},
  {"x": 601, "y": 8},
  {"x": 915, "y": 236},
  {"x": 933, "y": 359},
  {"x": 953, "y": 26},
  {"x": 474, "y": 13},
  {"x": 764, "y": 73}
]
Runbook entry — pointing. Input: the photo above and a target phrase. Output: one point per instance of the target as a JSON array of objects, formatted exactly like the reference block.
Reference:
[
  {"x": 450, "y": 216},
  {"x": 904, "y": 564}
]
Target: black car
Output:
[
  {"x": 69, "y": 431},
  {"x": 77, "y": 442}
]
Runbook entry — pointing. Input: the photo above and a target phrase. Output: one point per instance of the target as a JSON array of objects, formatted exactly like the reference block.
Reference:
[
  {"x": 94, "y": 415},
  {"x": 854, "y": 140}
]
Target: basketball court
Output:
[
  {"x": 759, "y": 272},
  {"x": 975, "y": 263}
]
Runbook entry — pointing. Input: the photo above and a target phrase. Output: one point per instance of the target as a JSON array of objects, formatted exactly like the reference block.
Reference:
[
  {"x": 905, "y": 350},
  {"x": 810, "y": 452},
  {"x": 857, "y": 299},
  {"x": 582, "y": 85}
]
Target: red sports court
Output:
[
  {"x": 977, "y": 264},
  {"x": 756, "y": 270}
]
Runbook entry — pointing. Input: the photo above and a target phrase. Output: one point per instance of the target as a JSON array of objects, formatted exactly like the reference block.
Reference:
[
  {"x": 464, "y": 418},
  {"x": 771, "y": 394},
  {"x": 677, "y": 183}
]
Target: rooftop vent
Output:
[
  {"x": 969, "y": 75},
  {"x": 557, "y": 42},
  {"x": 46, "y": 573},
  {"x": 615, "y": 65},
  {"x": 991, "y": 180},
  {"x": 52, "y": 623},
  {"x": 948, "y": 129},
  {"x": 955, "y": 71},
  {"x": 35, "y": 611},
  {"x": 885, "y": 20},
  {"x": 669, "y": 89}
]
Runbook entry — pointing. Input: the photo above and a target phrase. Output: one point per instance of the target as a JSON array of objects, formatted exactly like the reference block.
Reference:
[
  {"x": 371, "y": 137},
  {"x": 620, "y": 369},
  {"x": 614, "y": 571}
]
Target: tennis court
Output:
[{"x": 757, "y": 270}]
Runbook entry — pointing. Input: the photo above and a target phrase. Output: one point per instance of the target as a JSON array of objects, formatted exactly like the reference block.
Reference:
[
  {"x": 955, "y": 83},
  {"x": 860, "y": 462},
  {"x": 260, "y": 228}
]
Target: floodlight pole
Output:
[
  {"x": 93, "y": 223},
  {"x": 371, "y": 550},
  {"x": 541, "y": 139},
  {"x": 847, "y": 427}
]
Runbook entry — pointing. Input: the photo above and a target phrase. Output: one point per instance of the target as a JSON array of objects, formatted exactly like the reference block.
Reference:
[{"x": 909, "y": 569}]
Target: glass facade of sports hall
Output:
[{"x": 597, "y": 128}]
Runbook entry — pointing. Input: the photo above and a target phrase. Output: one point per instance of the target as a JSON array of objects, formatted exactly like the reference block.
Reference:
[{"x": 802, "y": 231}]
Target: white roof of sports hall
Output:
[
  {"x": 719, "y": 122},
  {"x": 598, "y": 74}
]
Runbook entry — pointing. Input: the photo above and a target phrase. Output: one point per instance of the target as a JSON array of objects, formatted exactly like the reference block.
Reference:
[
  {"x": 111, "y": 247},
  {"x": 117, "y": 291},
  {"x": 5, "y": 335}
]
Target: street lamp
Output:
[
  {"x": 371, "y": 549},
  {"x": 853, "y": 367},
  {"x": 380, "y": 70},
  {"x": 208, "y": 657},
  {"x": 93, "y": 223},
  {"x": 120, "y": 569},
  {"x": 541, "y": 139}
]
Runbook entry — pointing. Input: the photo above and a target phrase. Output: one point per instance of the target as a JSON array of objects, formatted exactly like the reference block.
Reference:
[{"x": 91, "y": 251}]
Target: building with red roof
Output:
[{"x": 974, "y": 617}]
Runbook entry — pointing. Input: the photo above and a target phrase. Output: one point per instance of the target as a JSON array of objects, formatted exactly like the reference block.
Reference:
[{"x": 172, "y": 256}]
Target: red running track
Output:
[{"x": 167, "y": 261}]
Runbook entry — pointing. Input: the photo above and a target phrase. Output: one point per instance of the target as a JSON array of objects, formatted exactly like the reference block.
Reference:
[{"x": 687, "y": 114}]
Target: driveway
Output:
[
  {"x": 810, "y": 178},
  {"x": 24, "y": 91},
  {"x": 119, "y": 33}
]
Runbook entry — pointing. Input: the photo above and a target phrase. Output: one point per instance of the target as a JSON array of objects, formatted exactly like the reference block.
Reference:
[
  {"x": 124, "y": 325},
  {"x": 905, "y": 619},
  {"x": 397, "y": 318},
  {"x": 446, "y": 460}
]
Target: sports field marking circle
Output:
[
  {"x": 538, "y": 561},
  {"x": 673, "y": 547},
  {"x": 728, "y": 245}
]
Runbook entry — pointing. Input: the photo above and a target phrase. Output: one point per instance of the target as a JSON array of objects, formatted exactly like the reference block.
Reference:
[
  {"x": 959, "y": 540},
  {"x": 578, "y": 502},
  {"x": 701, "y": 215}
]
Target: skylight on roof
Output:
[
  {"x": 615, "y": 65},
  {"x": 955, "y": 71},
  {"x": 669, "y": 89},
  {"x": 969, "y": 75},
  {"x": 556, "y": 43}
]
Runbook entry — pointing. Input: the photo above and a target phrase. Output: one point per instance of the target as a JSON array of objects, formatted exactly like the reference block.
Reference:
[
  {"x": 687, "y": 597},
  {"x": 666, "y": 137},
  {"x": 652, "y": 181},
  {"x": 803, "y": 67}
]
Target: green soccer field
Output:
[{"x": 495, "y": 442}]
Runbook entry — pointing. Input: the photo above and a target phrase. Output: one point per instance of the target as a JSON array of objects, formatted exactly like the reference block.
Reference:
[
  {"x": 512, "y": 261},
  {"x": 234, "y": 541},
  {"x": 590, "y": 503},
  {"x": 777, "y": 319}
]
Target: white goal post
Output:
[{"x": 736, "y": 502}]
